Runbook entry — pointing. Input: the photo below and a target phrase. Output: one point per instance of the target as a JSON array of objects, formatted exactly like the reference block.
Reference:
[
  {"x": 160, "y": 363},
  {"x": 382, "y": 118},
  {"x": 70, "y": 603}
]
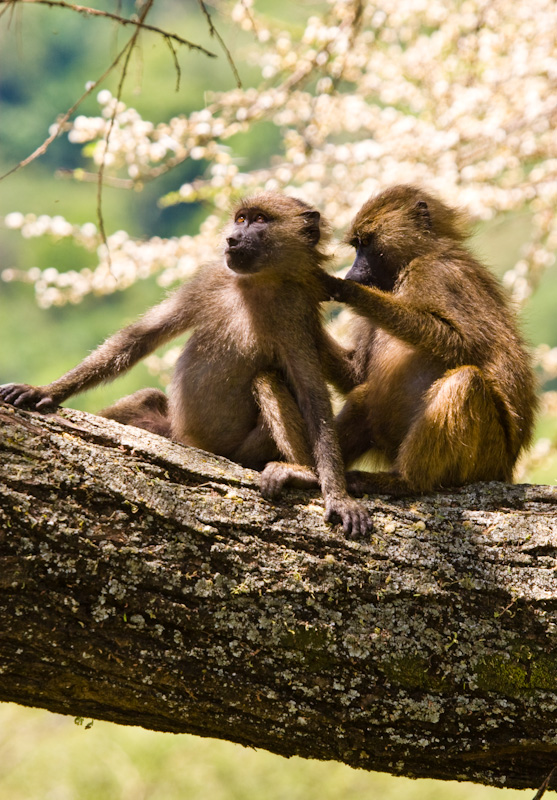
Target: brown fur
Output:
[
  {"x": 447, "y": 392},
  {"x": 146, "y": 408},
  {"x": 256, "y": 325}
]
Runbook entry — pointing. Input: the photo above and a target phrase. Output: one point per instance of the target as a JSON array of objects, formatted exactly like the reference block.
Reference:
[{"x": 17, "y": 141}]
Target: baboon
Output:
[
  {"x": 250, "y": 382},
  {"x": 446, "y": 390}
]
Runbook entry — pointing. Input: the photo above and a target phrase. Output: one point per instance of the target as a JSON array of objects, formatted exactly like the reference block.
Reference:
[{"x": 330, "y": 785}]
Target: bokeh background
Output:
[{"x": 47, "y": 55}]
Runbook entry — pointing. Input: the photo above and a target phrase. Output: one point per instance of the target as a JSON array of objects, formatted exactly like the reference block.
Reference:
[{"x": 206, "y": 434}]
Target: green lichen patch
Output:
[
  {"x": 517, "y": 674},
  {"x": 413, "y": 671},
  {"x": 311, "y": 643}
]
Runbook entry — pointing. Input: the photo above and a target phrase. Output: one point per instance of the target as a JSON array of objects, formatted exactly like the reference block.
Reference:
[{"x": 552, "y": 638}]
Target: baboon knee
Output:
[{"x": 459, "y": 437}]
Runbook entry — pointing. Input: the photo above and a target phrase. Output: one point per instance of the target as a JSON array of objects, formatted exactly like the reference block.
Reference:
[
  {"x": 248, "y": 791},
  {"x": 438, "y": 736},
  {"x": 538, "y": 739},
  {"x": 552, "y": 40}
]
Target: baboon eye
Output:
[
  {"x": 360, "y": 241},
  {"x": 261, "y": 218},
  {"x": 241, "y": 218}
]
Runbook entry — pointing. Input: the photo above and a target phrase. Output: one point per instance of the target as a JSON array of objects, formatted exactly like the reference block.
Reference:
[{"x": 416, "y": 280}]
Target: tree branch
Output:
[
  {"x": 150, "y": 584},
  {"x": 96, "y": 12},
  {"x": 58, "y": 127},
  {"x": 213, "y": 31}
]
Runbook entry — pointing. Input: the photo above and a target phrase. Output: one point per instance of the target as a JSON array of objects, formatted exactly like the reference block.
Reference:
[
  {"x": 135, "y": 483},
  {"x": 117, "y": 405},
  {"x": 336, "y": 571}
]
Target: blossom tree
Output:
[{"x": 456, "y": 96}]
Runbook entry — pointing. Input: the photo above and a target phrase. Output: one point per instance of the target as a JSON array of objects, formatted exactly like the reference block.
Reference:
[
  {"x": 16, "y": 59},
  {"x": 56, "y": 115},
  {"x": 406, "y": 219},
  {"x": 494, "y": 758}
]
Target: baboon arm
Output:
[
  {"x": 305, "y": 372},
  {"x": 116, "y": 355},
  {"x": 338, "y": 364},
  {"x": 425, "y": 328}
]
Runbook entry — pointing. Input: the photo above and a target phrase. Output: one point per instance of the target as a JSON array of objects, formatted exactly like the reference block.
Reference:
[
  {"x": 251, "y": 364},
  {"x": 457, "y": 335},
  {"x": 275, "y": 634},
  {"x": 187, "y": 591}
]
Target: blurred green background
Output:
[
  {"x": 46, "y": 57},
  {"x": 47, "y": 757}
]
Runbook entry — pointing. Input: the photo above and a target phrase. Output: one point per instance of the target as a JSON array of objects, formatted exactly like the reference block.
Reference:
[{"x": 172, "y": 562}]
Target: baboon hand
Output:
[
  {"x": 34, "y": 398},
  {"x": 278, "y": 474},
  {"x": 272, "y": 479},
  {"x": 331, "y": 285},
  {"x": 356, "y": 520}
]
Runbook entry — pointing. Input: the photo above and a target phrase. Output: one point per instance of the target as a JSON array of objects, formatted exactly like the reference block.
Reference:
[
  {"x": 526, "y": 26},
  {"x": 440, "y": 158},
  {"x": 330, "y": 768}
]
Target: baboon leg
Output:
[
  {"x": 146, "y": 408},
  {"x": 354, "y": 433},
  {"x": 361, "y": 482},
  {"x": 458, "y": 438},
  {"x": 282, "y": 419},
  {"x": 354, "y": 439}
]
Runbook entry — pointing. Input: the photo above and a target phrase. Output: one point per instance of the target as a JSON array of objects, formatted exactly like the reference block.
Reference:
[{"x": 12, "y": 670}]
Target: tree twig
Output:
[
  {"x": 176, "y": 64},
  {"x": 213, "y": 31},
  {"x": 129, "y": 47},
  {"x": 83, "y": 176},
  {"x": 95, "y": 12},
  {"x": 541, "y": 791},
  {"x": 65, "y": 117}
]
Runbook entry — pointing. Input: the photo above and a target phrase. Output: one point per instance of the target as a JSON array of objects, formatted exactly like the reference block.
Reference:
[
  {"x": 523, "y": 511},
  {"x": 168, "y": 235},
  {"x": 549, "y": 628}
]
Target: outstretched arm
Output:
[
  {"x": 422, "y": 326},
  {"x": 115, "y": 356}
]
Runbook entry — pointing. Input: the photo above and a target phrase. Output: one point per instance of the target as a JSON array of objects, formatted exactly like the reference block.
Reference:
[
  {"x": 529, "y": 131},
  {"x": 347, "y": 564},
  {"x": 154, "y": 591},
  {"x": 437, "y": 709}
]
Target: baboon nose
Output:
[{"x": 232, "y": 241}]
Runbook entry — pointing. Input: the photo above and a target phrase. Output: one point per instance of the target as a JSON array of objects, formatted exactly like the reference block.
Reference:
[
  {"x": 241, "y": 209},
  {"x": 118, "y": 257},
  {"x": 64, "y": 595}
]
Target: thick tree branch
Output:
[{"x": 150, "y": 584}]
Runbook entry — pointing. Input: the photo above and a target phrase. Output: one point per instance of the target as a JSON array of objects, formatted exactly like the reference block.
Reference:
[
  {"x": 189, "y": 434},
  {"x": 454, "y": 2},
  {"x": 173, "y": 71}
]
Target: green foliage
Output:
[{"x": 44, "y": 755}]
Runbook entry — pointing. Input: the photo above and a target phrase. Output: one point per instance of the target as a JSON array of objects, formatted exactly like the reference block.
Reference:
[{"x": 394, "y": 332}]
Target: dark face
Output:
[
  {"x": 372, "y": 266},
  {"x": 246, "y": 245}
]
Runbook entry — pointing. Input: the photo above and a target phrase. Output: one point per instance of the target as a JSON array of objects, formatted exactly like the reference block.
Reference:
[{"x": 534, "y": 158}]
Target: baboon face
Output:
[
  {"x": 373, "y": 265},
  {"x": 246, "y": 246},
  {"x": 380, "y": 234},
  {"x": 274, "y": 233},
  {"x": 395, "y": 227}
]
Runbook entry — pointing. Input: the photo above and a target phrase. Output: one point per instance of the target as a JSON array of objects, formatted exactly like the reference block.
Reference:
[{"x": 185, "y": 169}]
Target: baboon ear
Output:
[
  {"x": 422, "y": 212},
  {"x": 312, "y": 218}
]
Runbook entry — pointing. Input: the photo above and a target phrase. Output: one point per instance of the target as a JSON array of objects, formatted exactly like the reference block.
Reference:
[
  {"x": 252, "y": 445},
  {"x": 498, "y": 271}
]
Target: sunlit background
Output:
[{"x": 337, "y": 100}]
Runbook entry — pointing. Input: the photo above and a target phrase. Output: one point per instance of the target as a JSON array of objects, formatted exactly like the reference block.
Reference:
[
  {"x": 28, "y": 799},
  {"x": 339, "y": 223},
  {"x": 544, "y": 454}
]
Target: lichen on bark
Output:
[{"x": 150, "y": 584}]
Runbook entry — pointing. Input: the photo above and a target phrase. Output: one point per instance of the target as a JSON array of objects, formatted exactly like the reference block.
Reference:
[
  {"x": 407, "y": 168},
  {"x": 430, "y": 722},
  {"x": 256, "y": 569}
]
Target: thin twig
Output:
[
  {"x": 250, "y": 16},
  {"x": 213, "y": 31},
  {"x": 129, "y": 47},
  {"x": 65, "y": 117},
  {"x": 83, "y": 176},
  {"x": 176, "y": 63},
  {"x": 95, "y": 12},
  {"x": 541, "y": 791}
]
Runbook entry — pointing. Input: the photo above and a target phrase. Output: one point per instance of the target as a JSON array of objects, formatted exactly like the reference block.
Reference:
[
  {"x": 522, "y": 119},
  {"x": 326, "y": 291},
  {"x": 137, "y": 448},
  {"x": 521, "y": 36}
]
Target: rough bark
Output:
[{"x": 150, "y": 584}]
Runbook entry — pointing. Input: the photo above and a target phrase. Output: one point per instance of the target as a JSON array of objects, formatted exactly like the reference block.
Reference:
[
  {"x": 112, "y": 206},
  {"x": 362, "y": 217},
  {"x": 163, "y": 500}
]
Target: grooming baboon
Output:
[
  {"x": 447, "y": 392},
  {"x": 256, "y": 359}
]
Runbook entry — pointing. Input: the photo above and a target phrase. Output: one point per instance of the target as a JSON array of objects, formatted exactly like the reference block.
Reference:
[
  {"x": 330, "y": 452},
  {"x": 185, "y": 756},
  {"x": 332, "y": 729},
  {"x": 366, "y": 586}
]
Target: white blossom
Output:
[{"x": 456, "y": 96}]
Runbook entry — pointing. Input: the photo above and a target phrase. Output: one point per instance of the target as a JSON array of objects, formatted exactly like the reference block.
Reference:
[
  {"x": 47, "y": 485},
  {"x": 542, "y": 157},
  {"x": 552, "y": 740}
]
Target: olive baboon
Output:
[
  {"x": 446, "y": 390},
  {"x": 250, "y": 382}
]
